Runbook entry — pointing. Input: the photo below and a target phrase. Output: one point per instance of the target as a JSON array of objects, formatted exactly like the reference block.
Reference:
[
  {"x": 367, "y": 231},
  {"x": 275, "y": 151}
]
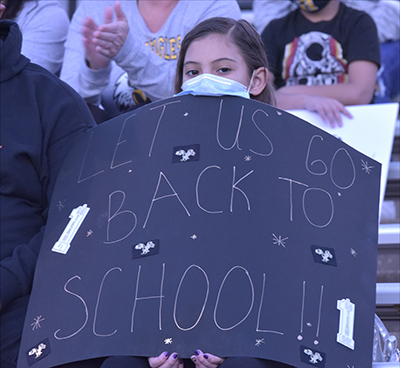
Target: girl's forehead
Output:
[
  {"x": 213, "y": 43},
  {"x": 212, "y": 38}
]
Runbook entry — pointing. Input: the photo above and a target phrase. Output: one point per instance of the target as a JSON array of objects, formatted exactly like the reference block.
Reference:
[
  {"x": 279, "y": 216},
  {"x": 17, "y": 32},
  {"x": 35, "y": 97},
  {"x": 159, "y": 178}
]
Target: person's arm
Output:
[
  {"x": 357, "y": 91},
  {"x": 146, "y": 70},
  {"x": 89, "y": 83},
  {"x": 328, "y": 101},
  {"x": 329, "y": 109},
  {"x": 16, "y": 271},
  {"x": 114, "y": 40},
  {"x": 64, "y": 116},
  {"x": 43, "y": 41},
  {"x": 157, "y": 81}
]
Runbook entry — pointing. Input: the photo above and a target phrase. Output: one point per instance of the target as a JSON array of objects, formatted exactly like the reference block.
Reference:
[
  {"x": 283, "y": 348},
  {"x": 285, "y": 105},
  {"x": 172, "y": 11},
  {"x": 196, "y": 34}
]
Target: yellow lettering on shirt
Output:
[
  {"x": 166, "y": 48},
  {"x": 153, "y": 46},
  {"x": 172, "y": 49},
  {"x": 166, "y": 55},
  {"x": 161, "y": 47}
]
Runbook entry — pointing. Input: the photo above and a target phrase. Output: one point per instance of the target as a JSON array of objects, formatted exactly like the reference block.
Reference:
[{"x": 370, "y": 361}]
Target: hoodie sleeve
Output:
[{"x": 62, "y": 116}]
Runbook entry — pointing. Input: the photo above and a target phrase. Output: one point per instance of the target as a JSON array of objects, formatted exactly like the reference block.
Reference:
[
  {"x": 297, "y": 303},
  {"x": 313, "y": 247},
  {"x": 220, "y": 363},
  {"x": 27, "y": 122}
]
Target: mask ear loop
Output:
[{"x": 251, "y": 82}]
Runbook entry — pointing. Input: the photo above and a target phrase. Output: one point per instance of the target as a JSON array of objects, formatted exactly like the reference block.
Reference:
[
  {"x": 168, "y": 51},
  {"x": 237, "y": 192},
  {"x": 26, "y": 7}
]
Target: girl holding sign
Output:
[{"x": 222, "y": 56}]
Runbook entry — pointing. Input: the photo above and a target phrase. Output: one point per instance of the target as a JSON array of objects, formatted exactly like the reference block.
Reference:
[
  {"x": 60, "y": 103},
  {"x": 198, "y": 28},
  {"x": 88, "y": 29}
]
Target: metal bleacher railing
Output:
[{"x": 388, "y": 293}]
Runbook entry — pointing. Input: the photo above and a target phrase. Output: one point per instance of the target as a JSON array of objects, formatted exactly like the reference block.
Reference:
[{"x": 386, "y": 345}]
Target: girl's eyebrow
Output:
[
  {"x": 214, "y": 61},
  {"x": 191, "y": 62},
  {"x": 224, "y": 59}
]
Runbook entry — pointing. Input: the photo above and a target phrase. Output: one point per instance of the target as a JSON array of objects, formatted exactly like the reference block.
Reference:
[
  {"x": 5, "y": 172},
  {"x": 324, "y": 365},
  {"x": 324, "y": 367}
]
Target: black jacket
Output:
[{"x": 41, "y": 117}]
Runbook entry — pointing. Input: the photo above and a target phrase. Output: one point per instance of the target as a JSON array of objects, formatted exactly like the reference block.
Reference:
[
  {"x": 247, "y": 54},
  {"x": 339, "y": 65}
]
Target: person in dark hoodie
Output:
[{"x": 41, "y": 117}]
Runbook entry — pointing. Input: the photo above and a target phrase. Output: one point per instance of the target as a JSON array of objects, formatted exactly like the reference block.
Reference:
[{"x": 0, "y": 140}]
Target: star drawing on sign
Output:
[
  {"x": 60, "y": 205},
  {"x": 247, "y": 158},
  {"x": 353, "y": 252},
  {"x": 168, "y": 341},
  {"x": 279, "y": 241},
  {"x": 259, "y": 342},
  {"x": 89, "y": 232},
  {"x": 36, "y": 324},
  {"x": 365, "y": 167},
  {"x": 194, "y": 237}
]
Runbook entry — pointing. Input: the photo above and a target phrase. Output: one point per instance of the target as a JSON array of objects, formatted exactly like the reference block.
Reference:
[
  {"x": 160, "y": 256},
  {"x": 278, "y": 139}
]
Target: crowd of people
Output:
[{"x": 60, "y": 77}]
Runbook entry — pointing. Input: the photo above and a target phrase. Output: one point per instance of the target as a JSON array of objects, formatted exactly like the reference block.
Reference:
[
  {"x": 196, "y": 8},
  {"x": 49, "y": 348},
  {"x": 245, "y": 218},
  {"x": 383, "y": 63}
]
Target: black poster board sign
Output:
[{"x": 220, "y": 224}]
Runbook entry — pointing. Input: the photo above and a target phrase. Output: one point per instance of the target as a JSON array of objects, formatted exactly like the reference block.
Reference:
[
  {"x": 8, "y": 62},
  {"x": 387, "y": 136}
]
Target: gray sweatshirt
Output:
[
  {"x": 44, "y": 27},
  {"x": 145, "y": 66}
]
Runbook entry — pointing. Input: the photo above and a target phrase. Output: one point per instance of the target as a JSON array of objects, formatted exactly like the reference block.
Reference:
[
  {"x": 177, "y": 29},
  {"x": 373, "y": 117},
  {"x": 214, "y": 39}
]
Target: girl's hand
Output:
[
  {"x": 206, "y": 360},
  {"x": 164, "y": 360},
  {"x": 329, "y": 109}
]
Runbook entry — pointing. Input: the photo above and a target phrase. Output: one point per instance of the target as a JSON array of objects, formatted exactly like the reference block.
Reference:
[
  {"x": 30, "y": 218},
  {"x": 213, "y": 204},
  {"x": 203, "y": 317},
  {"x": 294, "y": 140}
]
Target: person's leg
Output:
[
  {"x": 110, "y": 362},
  {"x": 125, "y": 362},
  {"x": 241, "y": 362},
  {"x": 188, "y": 363},
  {"x": 90, "y": 363},
  {"x": 389, "y": 74},
  {"x": 134, "y": 362}
]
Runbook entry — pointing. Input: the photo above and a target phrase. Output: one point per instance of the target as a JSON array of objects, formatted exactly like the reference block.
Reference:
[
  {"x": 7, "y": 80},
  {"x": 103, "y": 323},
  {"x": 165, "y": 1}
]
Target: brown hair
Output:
[
  {"x": 13, "y": 8},
  {"x": 241, "y": 34}
]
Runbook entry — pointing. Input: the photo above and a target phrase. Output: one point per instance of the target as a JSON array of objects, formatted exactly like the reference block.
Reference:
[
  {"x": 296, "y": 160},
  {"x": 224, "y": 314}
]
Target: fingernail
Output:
[
  {"x": 194, "y": 360},
  {"x": 180, "y": 361},
  {"x": 206, "y": 356},
  {"x": 197, "y": 352},
  {"x": 174, "y": 356},
  {"x": 166, "y": 353}
]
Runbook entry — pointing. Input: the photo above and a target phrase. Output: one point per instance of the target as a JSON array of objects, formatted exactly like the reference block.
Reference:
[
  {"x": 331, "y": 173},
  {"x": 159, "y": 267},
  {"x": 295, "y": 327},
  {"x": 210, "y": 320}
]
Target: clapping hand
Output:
[{"x": 102, "y": 43}]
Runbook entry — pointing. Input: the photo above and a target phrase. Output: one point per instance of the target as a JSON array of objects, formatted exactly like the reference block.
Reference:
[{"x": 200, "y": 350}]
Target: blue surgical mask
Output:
[{"x": 213, "y": 85}]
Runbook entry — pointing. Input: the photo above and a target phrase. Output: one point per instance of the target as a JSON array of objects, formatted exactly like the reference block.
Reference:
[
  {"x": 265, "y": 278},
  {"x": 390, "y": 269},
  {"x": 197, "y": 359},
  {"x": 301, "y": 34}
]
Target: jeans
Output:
[{"x": 389, "y": 72}]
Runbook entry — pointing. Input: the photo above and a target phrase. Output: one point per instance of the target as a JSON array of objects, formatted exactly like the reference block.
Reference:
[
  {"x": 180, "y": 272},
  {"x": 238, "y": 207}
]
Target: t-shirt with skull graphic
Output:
[{"x": 301, "y": 52}]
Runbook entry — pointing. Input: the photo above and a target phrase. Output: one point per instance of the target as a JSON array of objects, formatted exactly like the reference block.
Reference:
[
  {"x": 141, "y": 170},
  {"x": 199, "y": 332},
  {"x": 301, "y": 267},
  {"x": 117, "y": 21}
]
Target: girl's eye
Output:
[
  {"x": 224, "y": 70},
  {"x": 192, "y": 72}
]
